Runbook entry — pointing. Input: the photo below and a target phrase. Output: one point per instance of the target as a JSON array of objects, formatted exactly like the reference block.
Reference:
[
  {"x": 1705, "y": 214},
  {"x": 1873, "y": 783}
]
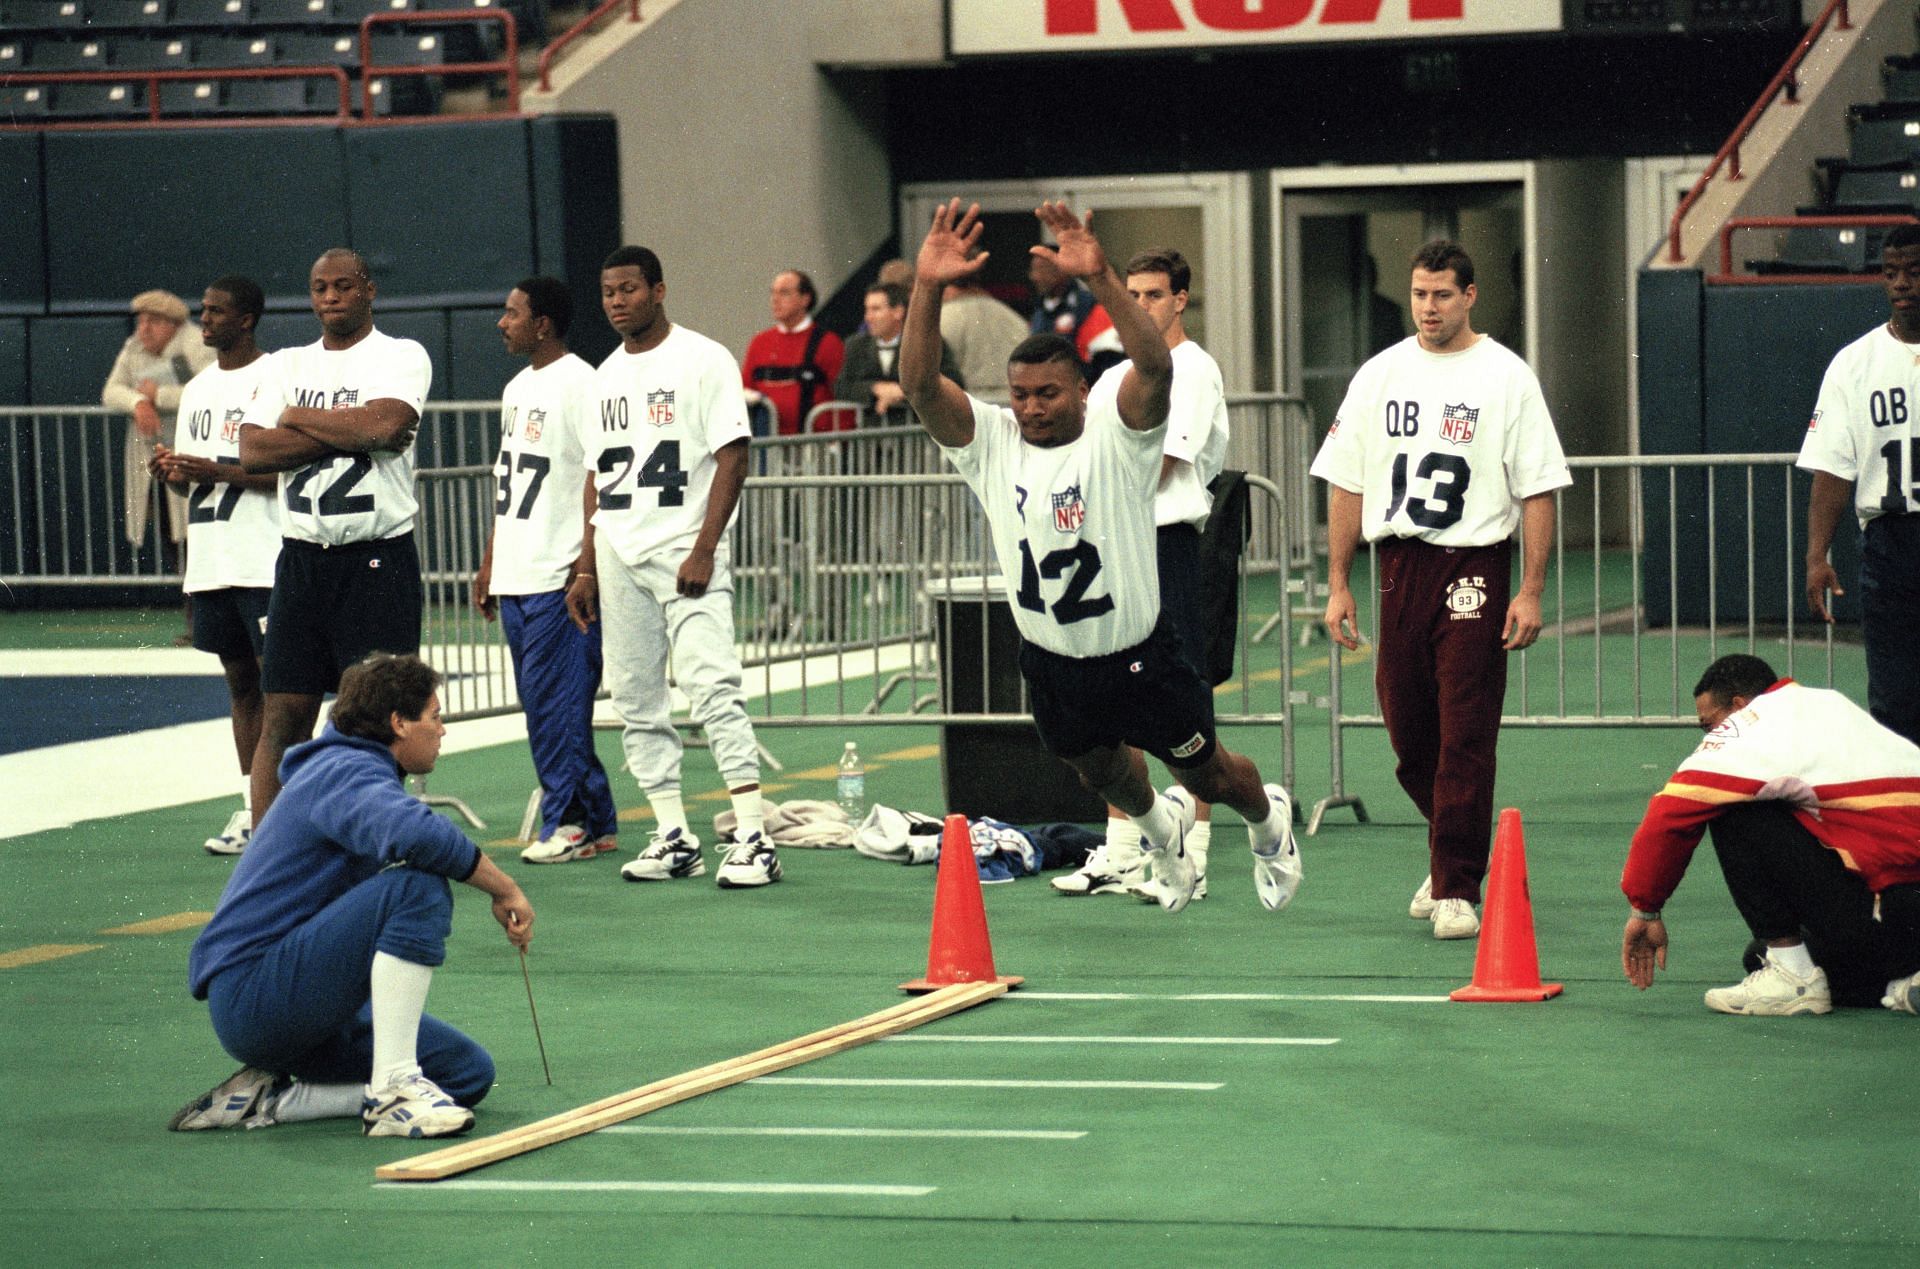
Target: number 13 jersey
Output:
[
  {"x": 1443, "y": 446},
  {"x": 656, "y": 420},
  {"x": 1072, "y": 526}
]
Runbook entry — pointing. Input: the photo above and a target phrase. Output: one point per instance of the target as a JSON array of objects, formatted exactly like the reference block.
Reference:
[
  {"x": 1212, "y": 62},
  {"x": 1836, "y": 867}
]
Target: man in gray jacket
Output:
[{"x": 164, "y": 351}]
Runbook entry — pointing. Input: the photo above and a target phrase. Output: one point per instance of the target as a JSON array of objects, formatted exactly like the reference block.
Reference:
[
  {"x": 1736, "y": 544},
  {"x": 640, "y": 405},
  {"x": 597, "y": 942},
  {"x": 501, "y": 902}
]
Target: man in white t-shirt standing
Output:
[
  {"x": 338, "y": 428},
  {"x": 1860, "y": 449},
  {"x": 666, "y": 455},
  {"x": 233, "y": 519},
  {"x": 1441, "y": 449},
  {"x": 1160, "y": 281},
  {"x": 531, "y": 555},
  {"x": 1068, "y": 489}
]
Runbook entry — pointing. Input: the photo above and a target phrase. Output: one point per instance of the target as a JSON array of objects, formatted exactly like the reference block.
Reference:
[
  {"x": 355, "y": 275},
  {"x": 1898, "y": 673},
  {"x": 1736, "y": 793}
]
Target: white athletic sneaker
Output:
[
  {"x": 413, "y": 1107},
  {"x": 1774, "y": 992},
  {"x": 750, "y": 862},
  {"x": 233, "y": 838},
  {"x": 1903, "y": 994},
  {"x": 674, "y": 853},
  {"x": 1421, "y": 909},
  {"x": 245, "y": 1097},
  {"x": 1454, "y": 919},
  {"x": 1172, "y": 865},
  {"x": 568, "y": 842},
  {"x": 1107, "y": 871},
  {"x": 1148, "y": 888},
  {"x": 1276, "y": 877}
]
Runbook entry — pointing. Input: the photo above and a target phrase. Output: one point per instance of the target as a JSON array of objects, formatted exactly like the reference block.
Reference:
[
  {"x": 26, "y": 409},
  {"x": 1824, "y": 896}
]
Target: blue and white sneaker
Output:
[
  {"x": 1903, "y": 995},
  {"x": 749, "y": 862},
  {"x": 244, "y": 1098},
  {"x": 232, "y": 839},
  {"x": 1276, "y": 876},
  {"x": 1172, "y": 865},
  {"x": 1147, "y": 887},
  {"x": 413, "y": 1107},
  {"x": 674, "y": 853}
]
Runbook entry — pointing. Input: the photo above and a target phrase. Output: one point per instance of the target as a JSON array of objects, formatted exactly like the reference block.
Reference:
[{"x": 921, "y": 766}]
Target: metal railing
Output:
[
  {"x": 578, "y": 29},
  {"x": 1727, "y": 277}
]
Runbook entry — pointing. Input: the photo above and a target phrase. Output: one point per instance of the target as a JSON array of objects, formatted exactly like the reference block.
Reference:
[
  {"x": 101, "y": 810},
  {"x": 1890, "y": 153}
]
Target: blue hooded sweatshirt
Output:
[{"x": 343, "y": 815}]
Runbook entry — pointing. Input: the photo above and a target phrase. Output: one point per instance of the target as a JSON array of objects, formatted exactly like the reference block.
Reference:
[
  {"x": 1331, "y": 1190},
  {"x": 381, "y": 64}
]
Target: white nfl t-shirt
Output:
[
  {"x": 1443, "y": 446},
  {"x": 1863, "y": 425},
  {"x": 537, "y": 525},
  {"x": 233, "y": 534},
  {"x": 350, "y": 497},
  {"x": 656, "y": 421},
  {"x": 1072, "y": 526},
  {"x": 1196, "y": 432}
]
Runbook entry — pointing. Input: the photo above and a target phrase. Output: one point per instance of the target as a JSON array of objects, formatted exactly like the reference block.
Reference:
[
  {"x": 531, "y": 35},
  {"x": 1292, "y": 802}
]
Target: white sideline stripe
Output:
[
  {"x": 1225, "y": 996},
  {"x": 967, "y": 1134},
  {"x": 1107, "y": 1039},
  {"x": 668, "y": 1187},
  {"x": 832, "y": 1082}
]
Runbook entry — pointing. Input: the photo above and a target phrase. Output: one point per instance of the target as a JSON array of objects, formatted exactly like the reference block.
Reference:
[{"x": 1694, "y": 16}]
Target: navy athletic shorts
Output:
[
  {"x": 231, "y": 622},
  {"x": 1177, "y": 551},
  {"x": 1148, "y": 696},
  {"x": 333, "y": 605}
]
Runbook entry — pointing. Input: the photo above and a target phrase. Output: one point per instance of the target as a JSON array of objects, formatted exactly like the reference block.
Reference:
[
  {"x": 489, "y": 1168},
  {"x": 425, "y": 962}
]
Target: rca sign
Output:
[{"x": 1048, "y": 26}]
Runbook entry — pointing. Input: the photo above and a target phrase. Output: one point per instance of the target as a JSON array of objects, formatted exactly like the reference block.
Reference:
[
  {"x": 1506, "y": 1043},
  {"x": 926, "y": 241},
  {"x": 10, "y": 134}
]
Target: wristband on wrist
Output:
[{"x": 1640, "y": 915}]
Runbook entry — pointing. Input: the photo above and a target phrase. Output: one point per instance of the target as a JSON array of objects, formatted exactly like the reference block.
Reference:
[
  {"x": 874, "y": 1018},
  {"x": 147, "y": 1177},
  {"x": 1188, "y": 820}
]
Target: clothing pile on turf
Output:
[{"x": 1002, "y": 851}]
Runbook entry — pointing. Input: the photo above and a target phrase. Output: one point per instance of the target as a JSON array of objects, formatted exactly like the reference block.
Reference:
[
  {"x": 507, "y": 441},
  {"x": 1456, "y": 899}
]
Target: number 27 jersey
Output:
[
  {"x": 649, "y": 434},
  {"x": 1443, "y": 446}
]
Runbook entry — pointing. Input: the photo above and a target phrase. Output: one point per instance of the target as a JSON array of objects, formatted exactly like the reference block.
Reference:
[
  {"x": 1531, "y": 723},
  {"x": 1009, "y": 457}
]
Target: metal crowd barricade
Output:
[
  {"x": 1659, "y": 606},
  {"x": 63, "y": 478}
]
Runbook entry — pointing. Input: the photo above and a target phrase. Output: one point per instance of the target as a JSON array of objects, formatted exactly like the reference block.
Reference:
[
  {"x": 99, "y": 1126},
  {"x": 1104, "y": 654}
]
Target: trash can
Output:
[{"x": 994, "y": 768}]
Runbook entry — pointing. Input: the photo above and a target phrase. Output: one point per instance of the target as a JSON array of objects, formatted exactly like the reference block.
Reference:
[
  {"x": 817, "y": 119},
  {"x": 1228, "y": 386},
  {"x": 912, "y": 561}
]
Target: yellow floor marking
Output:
[
  {"x": 164, "y": 925},
  {"x": 914, "y": 754},
  {"x": 829, "y": 773},
  {"x": 45, "y": 952}
]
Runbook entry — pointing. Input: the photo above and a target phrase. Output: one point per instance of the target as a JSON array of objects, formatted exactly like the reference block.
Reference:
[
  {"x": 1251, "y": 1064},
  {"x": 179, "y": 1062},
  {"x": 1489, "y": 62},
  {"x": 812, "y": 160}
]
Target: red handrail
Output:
[
  {"x": 577, "y": 30},
  {"x": 153, "y": 79},
  {"x": 1731, "y": 150},
  {"x": 1726, "y": 274},
  {"x": 509, "y": 62}
]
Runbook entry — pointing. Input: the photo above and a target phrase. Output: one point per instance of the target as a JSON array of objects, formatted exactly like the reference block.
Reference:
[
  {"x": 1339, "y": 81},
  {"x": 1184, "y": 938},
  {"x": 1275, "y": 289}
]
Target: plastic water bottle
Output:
[{"x": 853, "y": 784}]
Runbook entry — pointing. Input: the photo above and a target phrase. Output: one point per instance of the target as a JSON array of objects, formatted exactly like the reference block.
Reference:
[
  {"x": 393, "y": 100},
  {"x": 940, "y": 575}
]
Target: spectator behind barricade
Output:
[
  {"x": 1062, "y": 306},
  {"x": 792, "y": 364},
  {"x": 164, "y": 351},
  {"x": 871, "y": 376},
  {"x": 982, "y": 333}
]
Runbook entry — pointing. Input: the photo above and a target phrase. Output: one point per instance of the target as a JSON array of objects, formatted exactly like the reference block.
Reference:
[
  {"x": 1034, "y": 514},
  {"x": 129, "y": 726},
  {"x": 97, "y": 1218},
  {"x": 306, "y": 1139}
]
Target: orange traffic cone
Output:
[
  {"x": 1507, "y": 965},
  {"x": 959, "y": 951}
]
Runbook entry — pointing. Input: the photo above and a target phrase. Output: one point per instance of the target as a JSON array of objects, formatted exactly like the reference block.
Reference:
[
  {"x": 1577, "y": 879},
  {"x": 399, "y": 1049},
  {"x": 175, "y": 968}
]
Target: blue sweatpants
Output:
[
  {"x": 303, "y": 1008},
  {"x": 558, "y": 670},
  {"x": 1889, "y": 609}
]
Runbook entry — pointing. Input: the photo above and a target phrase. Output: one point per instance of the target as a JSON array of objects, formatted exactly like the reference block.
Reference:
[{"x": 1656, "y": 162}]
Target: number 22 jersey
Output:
[
  {"x": 656, "y": 420},
  {"x": 1443, "y": 446}
]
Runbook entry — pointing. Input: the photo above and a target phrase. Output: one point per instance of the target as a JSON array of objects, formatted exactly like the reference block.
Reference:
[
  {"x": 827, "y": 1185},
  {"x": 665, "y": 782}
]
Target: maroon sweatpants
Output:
[{"x": 1442, "y": 678}]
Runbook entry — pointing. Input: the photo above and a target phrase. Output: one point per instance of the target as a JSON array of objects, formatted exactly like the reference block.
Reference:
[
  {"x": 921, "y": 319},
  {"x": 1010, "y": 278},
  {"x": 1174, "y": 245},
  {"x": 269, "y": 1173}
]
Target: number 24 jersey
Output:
[{"x": 1443, "y": 446}]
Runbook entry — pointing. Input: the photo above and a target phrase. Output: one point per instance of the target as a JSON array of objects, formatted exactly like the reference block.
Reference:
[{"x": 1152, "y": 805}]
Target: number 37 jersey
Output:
[
  {"x": 656, "y": 420},
  {"x": 1443, "y": 446}
]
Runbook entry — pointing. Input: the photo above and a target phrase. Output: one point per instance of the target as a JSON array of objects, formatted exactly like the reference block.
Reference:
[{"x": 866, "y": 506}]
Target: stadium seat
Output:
[
  {"x": 13, "y": 55},
  {"x": 43, "y": 15},
  {"x": 351, "y": 11},
  {"x": 320, "y": 48},
  {"x": 1900, "y": 78},
  {"x": 292, "y": 12},
  {"x": 47, "y": 54},
  {"x": 128, "y": 15},
  {"x": 1883, "y": 132},
  {"x": 214, "y": 14},
  {"x": 1883, "y": 184},
  {"x": 407, "y": 48},
  {"x": 1823, "y": 249},
  {"x": 275, "y": 96},
  {"x": 186, "y": 98},
  {"x": 99, "y": 100},
  {"x": 154, "y": 52},
  {"x": 234, "y": 50},
  {"x": 25, "y": 101}
]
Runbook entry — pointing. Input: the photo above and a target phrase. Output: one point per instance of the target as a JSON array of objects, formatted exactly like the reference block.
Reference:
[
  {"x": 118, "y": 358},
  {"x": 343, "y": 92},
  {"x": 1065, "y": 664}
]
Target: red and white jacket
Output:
[{"x": 1852, "y": 783}]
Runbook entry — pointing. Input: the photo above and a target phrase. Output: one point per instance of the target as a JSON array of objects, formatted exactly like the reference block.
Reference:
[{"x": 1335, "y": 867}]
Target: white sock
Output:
[
  {"x": 1123, "y": 837},
  {"x": 669, "y": 812},
  {"x": 246, "y": 791},
  {"x": 1268, "y": 833},
  {"x": 399, "y": 991},
  {"x": 306, "y": 1101},
  {"x": 749, "y": 812},
  {"x": 1199, "y": 839},
  {"x": 1794, "y": 960},
  {"x": 1159, "y": 823}
]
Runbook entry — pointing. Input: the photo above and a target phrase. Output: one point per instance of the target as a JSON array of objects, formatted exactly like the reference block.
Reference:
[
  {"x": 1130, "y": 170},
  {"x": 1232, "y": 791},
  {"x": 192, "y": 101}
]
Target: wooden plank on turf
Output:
[{"x": 468, "y": 1155}]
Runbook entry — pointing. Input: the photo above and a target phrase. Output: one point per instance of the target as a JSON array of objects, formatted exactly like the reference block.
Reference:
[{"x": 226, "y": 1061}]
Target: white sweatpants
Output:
[{"x": 645, "y": 621}]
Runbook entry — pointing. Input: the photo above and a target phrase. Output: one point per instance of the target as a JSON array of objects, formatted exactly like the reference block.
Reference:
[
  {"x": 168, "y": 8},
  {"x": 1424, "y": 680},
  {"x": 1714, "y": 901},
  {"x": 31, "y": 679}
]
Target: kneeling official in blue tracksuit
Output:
[{"x": 317, "y": 961}]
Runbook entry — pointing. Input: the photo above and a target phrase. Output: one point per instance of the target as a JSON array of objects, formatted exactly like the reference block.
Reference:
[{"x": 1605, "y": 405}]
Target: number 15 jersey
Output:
[
  {"x": 1863, "y": 424},
  {"x": 1443, "y": 446},
  {"x": 656, "y": 420}
]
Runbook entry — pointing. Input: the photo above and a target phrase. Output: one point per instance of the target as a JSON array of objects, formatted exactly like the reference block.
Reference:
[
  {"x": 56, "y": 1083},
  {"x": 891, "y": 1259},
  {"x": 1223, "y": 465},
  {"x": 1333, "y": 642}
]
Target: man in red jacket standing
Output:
[
  {"x": 792, "y": 364},
  {"x": 1815, "y": 811}
]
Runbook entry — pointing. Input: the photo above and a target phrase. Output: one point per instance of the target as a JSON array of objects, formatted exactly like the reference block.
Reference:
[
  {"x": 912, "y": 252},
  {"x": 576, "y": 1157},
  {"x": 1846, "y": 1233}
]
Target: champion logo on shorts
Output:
[
  {"x": 1134, "y": 668},
  {"x": 374, "y": 562},
  {"x": 1466, "y": 597},
  {"x": 1191, "y": 748}
]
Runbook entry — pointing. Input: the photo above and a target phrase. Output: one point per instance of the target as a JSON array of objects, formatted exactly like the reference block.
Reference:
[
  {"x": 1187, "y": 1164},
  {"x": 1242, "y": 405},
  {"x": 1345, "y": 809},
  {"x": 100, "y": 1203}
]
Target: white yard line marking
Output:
[
  {"x": 966, "y": 1134},
  {"x": 668, "y": 1187},
  {"x": 1255, "y": 996},
  {"x": 1109, "y": 1039},
  {"x": 829, "y": 1082}
]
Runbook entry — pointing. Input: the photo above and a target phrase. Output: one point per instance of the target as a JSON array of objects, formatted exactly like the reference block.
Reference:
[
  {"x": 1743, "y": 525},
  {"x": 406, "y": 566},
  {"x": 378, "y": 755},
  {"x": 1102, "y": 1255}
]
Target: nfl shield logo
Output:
[
  {"x": 1069, "y": 511},
  {"x": 536, "y": 422},
  {"x": 230, "y": 425},
  {"x": 660, "y": 408},
  {"x": 1457, "y": 423},
  {"x": 345, "y": 398}
]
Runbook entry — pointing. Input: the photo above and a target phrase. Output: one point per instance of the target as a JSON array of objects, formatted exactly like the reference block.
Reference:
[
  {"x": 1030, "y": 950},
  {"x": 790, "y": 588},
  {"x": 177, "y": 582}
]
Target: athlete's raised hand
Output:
[
  {"x": 1079, "y": 253},
  {"x": 947, "y": 255}
]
